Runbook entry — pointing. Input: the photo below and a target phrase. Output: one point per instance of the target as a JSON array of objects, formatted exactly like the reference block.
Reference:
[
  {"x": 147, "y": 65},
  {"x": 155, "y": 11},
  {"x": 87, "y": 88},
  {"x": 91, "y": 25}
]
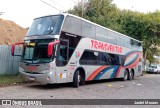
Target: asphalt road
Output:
[{"x": 143, "y": 87}]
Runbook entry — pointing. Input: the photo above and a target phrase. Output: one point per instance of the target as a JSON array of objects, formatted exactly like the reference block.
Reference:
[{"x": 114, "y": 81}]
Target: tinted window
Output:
[
  {"x": 37, "y": 50},
  {"x": 135, "y": 43},
  {"x": 101, "y": 34},
  {"x": 72, "y": 25},
  {"x": 120, "y": 40},
  {"x": 127, "y": 42},
  {"x": 73, "y": 41},
  {"x": 101, "y": 58},
  {"x": 46, "y": 25},
  {"x": 89, "y": 58},
  {"x": 66, "y": 49},
  {"x": 112, "y": 37},
  {"x": 88, "y": 30},
  {"x": 28, "y": 53},
  {"x": 62, "y": 58}
]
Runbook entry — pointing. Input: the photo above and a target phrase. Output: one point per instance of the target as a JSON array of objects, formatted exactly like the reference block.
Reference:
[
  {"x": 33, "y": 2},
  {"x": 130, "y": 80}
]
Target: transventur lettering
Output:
[{"x": 106, "y": 47}]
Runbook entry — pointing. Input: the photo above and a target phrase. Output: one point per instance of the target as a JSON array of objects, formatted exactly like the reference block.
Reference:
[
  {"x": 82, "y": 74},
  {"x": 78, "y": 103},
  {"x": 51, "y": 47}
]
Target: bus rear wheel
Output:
[
  {"x": 125, "y": 75},
  {"x": 131, "y": 75}
]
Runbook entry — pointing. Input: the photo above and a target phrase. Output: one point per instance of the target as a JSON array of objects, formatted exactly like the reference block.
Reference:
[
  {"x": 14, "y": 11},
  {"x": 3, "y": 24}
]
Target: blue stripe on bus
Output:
[
  {"x": 102, "y": 72},
  {"x": 113, "y": 75},
  {"x": 132, "y": 60},
  {"x": 131, "y": 53}
]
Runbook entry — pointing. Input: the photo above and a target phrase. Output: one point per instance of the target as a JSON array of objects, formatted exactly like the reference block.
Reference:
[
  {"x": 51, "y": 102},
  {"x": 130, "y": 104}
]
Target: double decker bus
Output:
[{"x": 66, "y": 48}]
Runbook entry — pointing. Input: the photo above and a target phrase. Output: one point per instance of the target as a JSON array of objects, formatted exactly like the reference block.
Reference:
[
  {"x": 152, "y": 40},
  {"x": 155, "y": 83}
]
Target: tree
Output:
[
  {"x": 151, "y": 35},
  {"x": 99, "y": 11},
  {"x": 144, "y": 27}
]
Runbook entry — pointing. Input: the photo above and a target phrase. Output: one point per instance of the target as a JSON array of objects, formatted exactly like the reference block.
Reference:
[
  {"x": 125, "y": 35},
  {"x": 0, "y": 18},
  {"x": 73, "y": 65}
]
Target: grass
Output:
[{"x": 10, "y": 80}]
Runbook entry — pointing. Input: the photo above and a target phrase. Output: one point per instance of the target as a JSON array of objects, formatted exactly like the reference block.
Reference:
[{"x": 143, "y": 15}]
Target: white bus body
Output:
[{"x": 66, "y": 48}]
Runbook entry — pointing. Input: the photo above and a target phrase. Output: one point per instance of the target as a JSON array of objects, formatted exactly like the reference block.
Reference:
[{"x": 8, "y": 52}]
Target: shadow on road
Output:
[{"x": 69, "y": 85}]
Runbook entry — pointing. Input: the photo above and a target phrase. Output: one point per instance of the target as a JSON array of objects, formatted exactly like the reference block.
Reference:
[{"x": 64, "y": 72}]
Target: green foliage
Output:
[
  {"x": 99, "y": 11},
  {"x": 10, "y": 80},
  {"x": 141, "y": 26}
]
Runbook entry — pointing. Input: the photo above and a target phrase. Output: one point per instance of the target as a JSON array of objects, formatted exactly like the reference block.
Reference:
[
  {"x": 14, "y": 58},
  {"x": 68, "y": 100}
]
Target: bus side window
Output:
[
  {"x": 73, "y": 42},
  {"x": 122, "y": 59},
  {"x": 115, "y": 59},
  {"x": 101, "y": 58},
  {"x": 62, "y": 51},
  {"x": 62, "y": 58}
]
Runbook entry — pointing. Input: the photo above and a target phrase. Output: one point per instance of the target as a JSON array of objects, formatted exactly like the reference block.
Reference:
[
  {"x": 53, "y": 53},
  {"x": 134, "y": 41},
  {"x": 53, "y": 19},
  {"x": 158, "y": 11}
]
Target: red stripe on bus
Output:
[
  {"x": 130, "y": 66},
  {"x": 91, "y": 77},
  {"x": 119, "y": 70},
  {"x": 132, "y": 54},
  {"x": 133, "y": 64}
]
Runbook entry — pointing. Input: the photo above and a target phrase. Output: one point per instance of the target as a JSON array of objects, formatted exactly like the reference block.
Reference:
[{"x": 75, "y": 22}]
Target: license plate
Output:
[{"x": 31, "y": 78}]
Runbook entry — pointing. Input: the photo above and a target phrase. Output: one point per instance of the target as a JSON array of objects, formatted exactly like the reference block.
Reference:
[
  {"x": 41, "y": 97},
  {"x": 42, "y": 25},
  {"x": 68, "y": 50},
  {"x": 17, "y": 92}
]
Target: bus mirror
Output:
[
  {"x": 50, "y": 47},
  {"x": 13, "y": 48}
]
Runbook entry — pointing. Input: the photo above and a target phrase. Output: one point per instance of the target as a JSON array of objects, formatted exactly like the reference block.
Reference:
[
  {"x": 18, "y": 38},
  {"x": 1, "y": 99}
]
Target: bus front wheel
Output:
[{"x": 78, "y": 79}]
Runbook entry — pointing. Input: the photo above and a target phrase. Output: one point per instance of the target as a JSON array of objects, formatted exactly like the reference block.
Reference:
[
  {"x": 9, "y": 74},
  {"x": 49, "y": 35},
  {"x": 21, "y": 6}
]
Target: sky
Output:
[{"x": 23, "y": 12}]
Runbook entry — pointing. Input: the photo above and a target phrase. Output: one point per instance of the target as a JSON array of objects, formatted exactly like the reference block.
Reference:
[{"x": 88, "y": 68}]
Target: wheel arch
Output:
[
  {"x": 82, "y": 71},
  {"x": 127, "y": 70}
]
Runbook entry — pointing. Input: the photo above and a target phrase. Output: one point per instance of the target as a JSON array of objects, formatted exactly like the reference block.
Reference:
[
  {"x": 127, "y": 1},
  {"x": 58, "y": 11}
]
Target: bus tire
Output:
[
  {"x": 76, "y": 79},
  {"x": 131, "y": 75},
  {"x": 142, "y": 73},
  {"x": 125, "y": 75},
  {"x": 82, "y": 78}
]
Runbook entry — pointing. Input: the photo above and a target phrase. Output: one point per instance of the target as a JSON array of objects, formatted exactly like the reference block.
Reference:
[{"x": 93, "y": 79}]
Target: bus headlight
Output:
[
  {"x": 50, "y": 72},
  {"x": 47, "y": 71}
]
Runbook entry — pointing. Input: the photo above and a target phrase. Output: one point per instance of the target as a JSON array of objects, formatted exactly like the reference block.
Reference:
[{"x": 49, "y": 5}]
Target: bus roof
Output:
[{"x": 66, "y": 14}]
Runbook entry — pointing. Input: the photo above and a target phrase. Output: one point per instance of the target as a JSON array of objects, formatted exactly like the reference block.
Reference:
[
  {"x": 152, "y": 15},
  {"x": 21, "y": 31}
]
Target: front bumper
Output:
[{"x": 46, "y": 78}]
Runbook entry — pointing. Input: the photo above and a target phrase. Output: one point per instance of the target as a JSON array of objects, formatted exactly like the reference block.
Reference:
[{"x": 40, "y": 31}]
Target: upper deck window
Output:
[{"x": 46, "y": 26}]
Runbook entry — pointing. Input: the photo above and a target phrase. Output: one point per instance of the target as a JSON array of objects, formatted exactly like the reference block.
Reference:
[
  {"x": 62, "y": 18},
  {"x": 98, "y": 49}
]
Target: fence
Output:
[{"x": 8, "y": 63}]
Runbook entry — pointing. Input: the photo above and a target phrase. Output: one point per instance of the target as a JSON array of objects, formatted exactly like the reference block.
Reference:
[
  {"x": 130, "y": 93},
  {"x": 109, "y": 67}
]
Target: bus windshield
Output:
[
  {"x": 37, "y": 51},
  {"x": 49, "y": 25}
]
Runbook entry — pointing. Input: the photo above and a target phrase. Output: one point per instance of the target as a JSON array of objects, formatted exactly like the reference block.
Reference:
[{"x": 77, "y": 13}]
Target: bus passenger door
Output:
[{"x": 62, "y": 61}]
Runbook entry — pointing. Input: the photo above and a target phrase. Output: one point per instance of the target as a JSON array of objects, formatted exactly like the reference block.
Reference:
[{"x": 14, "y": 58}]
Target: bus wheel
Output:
[
  {"x": 125, "y": 75},
  {"x": 81, "y": 78},
  {"x": 131, "y": 75},
  {"x": 76, "y": 79}
]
